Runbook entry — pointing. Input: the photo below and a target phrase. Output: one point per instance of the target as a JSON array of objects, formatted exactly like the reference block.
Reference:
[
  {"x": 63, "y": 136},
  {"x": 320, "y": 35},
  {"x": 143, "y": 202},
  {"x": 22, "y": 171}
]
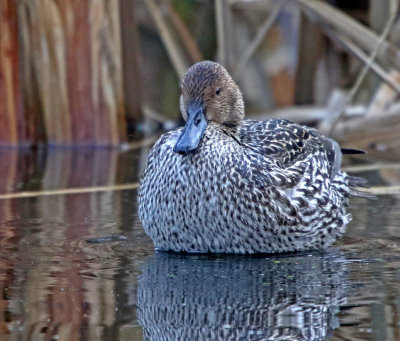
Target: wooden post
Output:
[
  {"x": 72, "y": 66},
  {"x": 309, "y": 53},
  {"x": 131, "y": 58},
  {"x": 223, "y": 17},
  {"x": 13, "y": 128}
]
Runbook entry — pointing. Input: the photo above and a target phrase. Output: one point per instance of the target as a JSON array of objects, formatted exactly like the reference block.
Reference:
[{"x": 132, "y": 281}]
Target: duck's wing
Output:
[{"x": 288, "y": 142}]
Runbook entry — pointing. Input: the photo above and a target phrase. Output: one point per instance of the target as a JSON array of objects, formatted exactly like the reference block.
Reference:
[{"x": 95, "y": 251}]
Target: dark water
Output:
[{"x": 57, "y": 286}]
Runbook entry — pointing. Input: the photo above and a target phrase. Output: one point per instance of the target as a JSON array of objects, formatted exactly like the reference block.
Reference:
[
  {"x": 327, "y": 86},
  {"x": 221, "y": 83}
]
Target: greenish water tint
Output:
[{"x": 56, "y": 285}]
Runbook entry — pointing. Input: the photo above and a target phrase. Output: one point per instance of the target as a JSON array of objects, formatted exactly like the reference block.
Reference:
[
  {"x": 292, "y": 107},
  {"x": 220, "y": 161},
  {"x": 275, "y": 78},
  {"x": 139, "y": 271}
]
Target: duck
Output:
[{"x": 225, "y": 184}]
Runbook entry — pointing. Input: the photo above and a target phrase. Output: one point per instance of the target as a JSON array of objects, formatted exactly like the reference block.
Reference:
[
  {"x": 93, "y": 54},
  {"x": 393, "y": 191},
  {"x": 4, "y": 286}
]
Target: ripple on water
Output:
[{"x": 54, "y": 284}]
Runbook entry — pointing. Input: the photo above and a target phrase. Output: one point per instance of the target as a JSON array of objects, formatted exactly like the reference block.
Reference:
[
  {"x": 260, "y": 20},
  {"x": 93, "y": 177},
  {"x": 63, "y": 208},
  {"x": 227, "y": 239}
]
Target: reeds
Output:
[
  {"x": 68, "y": 57},
  {"x": 75, "y": 74}
]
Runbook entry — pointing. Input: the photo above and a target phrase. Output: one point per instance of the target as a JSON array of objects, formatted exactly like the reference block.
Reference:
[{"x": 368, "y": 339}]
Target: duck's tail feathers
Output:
[
  {"x": 352, "y": 151},
  {"x": 358, "y": 182}
]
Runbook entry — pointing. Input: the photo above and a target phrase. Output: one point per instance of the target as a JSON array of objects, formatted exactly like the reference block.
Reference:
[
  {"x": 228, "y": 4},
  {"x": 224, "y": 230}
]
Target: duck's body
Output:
[{"x": 270, "y": 186}]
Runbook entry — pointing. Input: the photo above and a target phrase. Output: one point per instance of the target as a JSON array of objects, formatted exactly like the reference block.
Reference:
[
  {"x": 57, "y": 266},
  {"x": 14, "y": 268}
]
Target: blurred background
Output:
[
  {"x": 87, "y": 86},
  {"x": 106, "y": 72}
]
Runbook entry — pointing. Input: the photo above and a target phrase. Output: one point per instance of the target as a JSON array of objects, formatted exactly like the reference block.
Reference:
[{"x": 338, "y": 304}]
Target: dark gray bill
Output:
[{"x": 193, "y": 132}]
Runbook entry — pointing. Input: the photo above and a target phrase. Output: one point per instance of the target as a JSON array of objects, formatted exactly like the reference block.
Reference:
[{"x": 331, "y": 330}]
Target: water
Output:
[{"x": 57, "y": 286}]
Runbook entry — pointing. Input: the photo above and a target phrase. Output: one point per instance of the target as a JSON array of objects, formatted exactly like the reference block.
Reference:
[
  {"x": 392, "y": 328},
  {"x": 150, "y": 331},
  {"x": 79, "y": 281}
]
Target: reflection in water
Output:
[
  {"x": 55, "y": 285},
  {"x": 52, "y": 283},
  {"x": 42, "y": 169},
  {"x": 241, "y": 298}
]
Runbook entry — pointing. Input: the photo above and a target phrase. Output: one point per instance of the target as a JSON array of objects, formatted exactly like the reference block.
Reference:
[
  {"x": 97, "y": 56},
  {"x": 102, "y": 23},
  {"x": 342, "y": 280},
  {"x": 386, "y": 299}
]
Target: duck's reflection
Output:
[{"x": 241, "y": 298}]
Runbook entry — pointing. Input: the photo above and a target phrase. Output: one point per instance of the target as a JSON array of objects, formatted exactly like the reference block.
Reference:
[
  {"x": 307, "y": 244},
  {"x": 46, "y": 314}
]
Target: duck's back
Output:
[{"x": 289, "y": 143}]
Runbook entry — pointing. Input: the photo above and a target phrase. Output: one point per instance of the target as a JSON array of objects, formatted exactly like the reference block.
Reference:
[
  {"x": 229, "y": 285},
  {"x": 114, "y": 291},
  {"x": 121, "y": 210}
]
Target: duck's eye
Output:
[{"x": 218, "y": 91}]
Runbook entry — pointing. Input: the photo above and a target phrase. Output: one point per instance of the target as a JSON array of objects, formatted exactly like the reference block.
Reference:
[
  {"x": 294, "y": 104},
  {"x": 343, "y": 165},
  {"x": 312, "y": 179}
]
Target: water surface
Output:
[{"x": 56, "y": 285}]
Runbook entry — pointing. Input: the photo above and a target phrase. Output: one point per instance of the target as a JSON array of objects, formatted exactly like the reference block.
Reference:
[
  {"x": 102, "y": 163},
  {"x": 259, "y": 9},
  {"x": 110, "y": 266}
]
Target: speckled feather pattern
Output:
[
  {"x": 269, "y": 186},
  {"x": 241, "y": 186}
]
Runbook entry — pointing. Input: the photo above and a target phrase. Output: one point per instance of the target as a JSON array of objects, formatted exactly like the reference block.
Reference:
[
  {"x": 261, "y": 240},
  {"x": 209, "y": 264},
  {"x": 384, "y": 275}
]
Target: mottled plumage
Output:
[{"x": 226, "y": 185}]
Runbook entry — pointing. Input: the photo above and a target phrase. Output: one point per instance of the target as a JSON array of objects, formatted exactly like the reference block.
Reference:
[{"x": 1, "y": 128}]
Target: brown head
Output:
[{"x": 209, "y": 94}]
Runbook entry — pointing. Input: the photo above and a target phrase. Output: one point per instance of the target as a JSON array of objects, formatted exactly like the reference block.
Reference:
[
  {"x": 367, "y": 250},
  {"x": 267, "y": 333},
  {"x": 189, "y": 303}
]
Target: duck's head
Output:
[{"x": 209, "y": 94}]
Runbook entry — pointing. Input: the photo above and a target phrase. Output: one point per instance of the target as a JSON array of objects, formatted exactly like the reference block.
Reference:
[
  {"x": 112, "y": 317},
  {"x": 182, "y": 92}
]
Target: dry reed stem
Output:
[
  {"x": 255, "y": 43},
  {"x": 306, "y": 114},
  {"x": 366, "y": 39},
  {"x": 72, "y": 67},
  {"x": 142, "y": 143},
  {"x": 66, "y": 191},
  {"x": 168, "y": 38},
  {"x": 225, "y": 39},
  {"x": 182, "y": 31},
  {"x": 377, "y": 190},
  {"x": 379, "y": 134},
  {"x": 382, "y": 190},
  {"x": 9, "y": 73},
  {"x": 371, "y": 167},
  {"x": 361, "y": 77},
  {"x": 357, "y": 52},
  {"x": 131, "y": 60}
]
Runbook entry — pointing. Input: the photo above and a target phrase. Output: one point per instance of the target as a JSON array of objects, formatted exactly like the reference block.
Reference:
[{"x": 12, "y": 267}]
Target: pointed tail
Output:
[{"x": 358, "y": 182}]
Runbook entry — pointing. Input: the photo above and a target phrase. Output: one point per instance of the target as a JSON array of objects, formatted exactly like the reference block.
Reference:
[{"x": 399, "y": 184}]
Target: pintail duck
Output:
[{"x": 227, "y": 185}]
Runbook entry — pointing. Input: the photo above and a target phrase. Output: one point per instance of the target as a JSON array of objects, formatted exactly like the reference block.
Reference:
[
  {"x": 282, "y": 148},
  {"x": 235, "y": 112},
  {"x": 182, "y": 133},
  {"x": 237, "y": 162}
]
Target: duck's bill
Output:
[{"x": 193, "y": 132}]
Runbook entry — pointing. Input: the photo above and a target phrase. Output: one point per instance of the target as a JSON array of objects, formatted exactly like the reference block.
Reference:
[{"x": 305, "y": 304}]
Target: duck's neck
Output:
[{"x": 232, "y": 130}]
